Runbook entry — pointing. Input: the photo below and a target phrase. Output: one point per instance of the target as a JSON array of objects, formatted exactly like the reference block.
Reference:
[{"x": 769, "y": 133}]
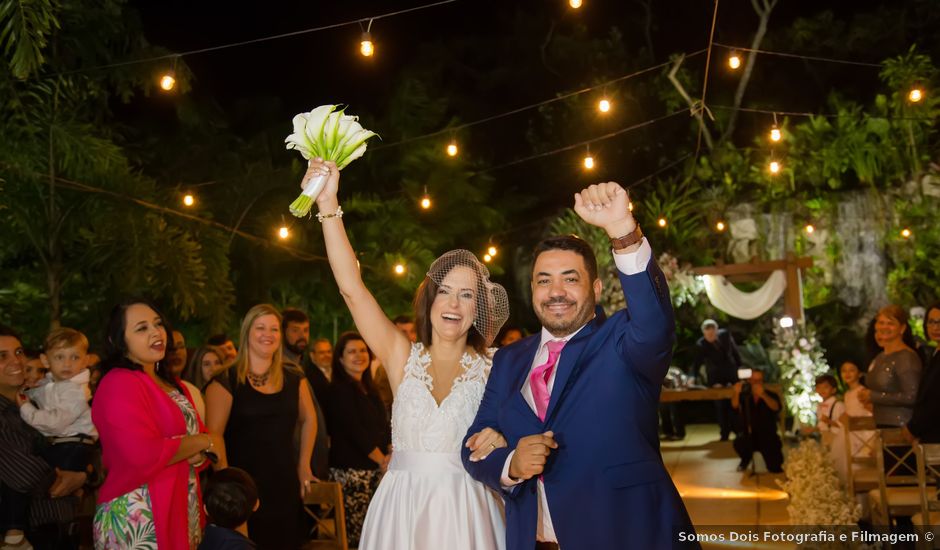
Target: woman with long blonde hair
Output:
[{"x": 256, "y": 405}]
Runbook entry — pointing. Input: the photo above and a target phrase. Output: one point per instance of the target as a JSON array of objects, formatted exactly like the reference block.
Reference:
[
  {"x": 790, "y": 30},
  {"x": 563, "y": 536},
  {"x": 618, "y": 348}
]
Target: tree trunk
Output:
[
  {"x": 53, "y": 254},
  {"x": 695, "y": 107},
  {"x": 54, "y": 283},
  {"x": 763, "y": 8},
  {"x": 648, "y": 27}
]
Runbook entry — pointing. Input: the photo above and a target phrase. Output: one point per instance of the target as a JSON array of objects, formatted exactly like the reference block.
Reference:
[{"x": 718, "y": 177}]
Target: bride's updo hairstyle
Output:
[{"x": 492, "y": 303}]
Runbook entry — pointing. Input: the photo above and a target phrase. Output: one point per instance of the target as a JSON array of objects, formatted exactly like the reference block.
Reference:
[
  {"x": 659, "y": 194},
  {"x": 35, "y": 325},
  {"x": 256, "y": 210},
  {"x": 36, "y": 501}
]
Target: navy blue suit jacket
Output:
[{"x": 606, "y": 484}]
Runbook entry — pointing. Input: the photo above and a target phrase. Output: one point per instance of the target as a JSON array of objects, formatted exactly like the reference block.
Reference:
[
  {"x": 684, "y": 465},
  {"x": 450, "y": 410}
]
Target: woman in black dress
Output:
[
  {"x": 359, "y": 428},
  {"x": 257, "y": 405}
]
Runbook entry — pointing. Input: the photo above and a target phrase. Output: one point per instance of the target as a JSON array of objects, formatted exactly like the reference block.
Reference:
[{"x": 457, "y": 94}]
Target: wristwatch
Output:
[{"x": 627, "y": 240}]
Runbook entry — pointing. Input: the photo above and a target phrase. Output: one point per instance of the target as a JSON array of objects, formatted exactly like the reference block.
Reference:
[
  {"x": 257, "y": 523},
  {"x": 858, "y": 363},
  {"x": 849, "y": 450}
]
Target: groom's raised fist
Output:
[
  {"x": 606, "y": 205},
  {"x": 531, "y": 453}
]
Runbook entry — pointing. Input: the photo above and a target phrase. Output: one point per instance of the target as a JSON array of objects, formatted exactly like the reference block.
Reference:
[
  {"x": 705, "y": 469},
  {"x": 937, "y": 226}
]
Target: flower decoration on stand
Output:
[
  {"x": 815, "y": 495},
  {"x": 800, "y": 357},
  {"x": 684, "y": 286},
  {"x": 327, "y": 133}
]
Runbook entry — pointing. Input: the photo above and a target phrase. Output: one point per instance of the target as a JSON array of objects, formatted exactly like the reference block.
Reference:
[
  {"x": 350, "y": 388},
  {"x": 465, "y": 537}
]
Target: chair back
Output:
[
  {"x": 928, "y": 473},
  {"x": 897, "y": 449},
  {"x": 324, "y": 503},
  {"x": 896, "y": 466},
  {"x": 861, "y": 446}
]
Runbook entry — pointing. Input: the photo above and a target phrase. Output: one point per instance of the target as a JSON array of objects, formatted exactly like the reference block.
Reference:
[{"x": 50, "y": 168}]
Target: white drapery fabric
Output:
[{"x": 745, "y": 305}]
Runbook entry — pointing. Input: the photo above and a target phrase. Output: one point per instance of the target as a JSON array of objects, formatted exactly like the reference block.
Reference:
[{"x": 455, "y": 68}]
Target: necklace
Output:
[{"x": 258, "y": 380}]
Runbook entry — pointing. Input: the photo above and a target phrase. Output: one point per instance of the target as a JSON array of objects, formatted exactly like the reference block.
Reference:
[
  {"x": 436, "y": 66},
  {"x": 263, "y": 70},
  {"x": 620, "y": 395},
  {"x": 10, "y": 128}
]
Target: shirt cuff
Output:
[
  {"x": 504, "y": 479},
  {"x": 636, "y": 261}
]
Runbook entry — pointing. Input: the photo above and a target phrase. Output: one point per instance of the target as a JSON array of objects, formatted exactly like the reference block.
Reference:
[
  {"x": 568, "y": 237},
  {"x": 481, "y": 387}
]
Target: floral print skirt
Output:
[
  {"x": 358, "y": 488},
  {"x": 126, "y": 522}
]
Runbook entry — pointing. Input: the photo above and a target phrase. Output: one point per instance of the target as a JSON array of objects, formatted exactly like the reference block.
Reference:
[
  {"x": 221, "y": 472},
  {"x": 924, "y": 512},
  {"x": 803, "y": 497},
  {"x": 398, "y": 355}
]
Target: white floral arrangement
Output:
[
  {"x": 685, "y": 287},
  {"x": 800, "y": 357},
  {"x": 816, "y": 497},
  {"x": 326, "y": 132}
]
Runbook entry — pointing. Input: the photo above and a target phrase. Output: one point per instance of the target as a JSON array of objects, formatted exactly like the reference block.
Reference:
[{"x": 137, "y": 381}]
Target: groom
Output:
[{"x": 578, "y": 402}]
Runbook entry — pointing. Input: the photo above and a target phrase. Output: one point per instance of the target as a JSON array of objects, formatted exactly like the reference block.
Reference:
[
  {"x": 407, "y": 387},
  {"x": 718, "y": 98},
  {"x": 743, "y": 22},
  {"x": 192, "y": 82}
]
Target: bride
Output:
[{"x": 427, "y": 500}]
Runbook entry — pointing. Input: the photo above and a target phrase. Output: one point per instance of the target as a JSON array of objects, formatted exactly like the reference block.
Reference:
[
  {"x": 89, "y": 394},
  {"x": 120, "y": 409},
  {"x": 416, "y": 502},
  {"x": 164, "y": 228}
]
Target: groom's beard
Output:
[
  {"x": 564, "y": 326},
  {"x": 298, "y": 347}
]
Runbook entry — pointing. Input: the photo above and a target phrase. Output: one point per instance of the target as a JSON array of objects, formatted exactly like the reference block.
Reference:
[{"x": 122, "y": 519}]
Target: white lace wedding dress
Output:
[{"x": 427, "y": 501}]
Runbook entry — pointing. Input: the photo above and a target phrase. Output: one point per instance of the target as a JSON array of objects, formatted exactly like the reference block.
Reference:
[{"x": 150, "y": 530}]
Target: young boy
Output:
[
  {"x": 61, "y": 410},
  {"x": 35, "y": 371},
  {"x": 230, "y": 498},
  {"x": 830, "y": 410}
]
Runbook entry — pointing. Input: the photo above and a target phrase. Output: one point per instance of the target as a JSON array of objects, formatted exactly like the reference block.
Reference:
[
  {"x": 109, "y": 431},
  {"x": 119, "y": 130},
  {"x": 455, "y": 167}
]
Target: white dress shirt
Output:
[
  {"x": 833, "y": 409},
  {"x": 628, "y": 264},
  {"x": 63, "y": 407}
]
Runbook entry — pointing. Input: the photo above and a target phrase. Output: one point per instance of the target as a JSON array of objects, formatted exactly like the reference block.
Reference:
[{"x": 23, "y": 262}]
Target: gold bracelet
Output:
[
  {"x": 338, "y": 214},
  {"x": 209, "y": 448}
]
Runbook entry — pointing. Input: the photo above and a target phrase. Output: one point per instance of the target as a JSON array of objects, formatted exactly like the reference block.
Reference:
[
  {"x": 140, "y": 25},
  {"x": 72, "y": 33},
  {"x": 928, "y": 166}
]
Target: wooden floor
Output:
[{"x": 704, "y": 470}]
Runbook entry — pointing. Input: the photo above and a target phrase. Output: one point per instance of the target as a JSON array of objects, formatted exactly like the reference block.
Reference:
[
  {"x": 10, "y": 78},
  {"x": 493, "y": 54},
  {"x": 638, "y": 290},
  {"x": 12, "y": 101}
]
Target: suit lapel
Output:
[
  {"x": 571, "y": 358},
  {"x": 527, "y": 356}
]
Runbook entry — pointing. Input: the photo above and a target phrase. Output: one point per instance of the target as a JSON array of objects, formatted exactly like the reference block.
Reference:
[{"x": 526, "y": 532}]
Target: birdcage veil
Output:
[{"x": 492, "y": 302}]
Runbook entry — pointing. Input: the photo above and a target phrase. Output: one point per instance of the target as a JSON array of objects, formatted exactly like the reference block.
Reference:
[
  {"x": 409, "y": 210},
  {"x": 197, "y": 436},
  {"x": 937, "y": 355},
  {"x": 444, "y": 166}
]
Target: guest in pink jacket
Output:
[{"x": 152, "y": 440}]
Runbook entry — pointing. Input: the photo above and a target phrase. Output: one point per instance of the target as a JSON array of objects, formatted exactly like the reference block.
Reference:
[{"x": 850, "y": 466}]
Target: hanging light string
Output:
[
  {"x": 808, "y": 114},
  {"x": 584, "y": 143},
  {"x": 531, "y": 106},
  {"x": 636, "y": 183},
  {"x": 348, "y": 23},
  {"x": 799, "y": 56},
  {"x": 708, "y": 59},
  {"x": 78, "y": 186}
]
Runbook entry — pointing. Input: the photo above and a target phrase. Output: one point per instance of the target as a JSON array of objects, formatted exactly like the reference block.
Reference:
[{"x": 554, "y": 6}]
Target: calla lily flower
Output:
[{"x": 328, "y": 133}]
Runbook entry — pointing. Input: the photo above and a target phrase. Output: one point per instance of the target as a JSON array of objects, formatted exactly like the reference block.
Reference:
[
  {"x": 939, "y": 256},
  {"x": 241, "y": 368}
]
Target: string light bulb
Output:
[
  {"x": 720, "y": 226},
  {"x": 399, "y": 269},
  {"x": 734, "y": 61},
  {"x": 915, "y": 95},
  {"x": 167, "y": 82},
  {"x": 452, "y": 149},
  {"x": 491, "y": 251},
  {"x": 775, "y": 134},
  {"x": 189, "y": 199},
  {"x": 603, "y": 105},
  {"x": 588, "y": 159},
  {"x": 809, "y": 228},
  {"x": 487, "y": 258},
  {"x": 774, "y": 167},
  {"x": 426, "y": 199},
  {"x": 661, "y": 222},
  {"x": 575, "y": 4},
  {"x": 906, "y": 233},
  {"x": 630, "y": 206},
  {"x": 283, "y": 232},
  {"x": 366, "y": 47}
]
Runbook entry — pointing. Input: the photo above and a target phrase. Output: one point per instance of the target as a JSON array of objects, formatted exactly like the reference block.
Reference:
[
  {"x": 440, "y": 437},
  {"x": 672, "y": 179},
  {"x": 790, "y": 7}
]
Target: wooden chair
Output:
[
  {"x": 897, "y": 493},
  {"x": 928, "y": 473},
  {"x": 861, "y": 446},
  {"x": 324, "y": 503}
]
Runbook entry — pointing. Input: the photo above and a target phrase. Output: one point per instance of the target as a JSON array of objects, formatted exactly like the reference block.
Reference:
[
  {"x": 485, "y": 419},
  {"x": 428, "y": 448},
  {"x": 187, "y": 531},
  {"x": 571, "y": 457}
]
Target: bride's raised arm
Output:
[{"x": 388, "y": 343}]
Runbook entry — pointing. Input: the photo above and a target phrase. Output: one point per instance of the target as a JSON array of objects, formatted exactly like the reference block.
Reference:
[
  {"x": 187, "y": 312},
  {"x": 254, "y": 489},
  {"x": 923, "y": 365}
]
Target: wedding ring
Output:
[{"x": 493, "y": 445}]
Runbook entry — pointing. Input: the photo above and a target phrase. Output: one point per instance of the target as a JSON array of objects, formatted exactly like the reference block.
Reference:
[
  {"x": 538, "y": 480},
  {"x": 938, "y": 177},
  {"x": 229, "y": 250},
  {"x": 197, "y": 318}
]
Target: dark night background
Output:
[
  {"x": 260, "y": 85},
  {"x": 221, "y": 135}
]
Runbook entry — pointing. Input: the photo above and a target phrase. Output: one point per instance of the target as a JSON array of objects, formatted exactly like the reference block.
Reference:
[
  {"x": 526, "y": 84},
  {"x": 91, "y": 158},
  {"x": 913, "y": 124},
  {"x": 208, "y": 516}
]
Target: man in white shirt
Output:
[{"x": 578, "y": 402}]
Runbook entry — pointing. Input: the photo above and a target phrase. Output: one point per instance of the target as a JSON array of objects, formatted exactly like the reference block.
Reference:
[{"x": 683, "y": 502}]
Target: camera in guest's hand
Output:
[{"x": 744, "y": 375}]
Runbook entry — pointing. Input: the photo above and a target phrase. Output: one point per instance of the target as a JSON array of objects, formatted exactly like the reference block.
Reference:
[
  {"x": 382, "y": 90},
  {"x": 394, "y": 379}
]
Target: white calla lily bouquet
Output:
[{"x": 327, "y": 133}]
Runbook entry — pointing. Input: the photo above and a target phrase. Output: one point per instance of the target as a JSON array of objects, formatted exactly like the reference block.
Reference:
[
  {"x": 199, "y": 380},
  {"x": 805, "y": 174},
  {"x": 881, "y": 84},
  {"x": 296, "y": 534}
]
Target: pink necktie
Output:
[{"x": 538, "y": 380}]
